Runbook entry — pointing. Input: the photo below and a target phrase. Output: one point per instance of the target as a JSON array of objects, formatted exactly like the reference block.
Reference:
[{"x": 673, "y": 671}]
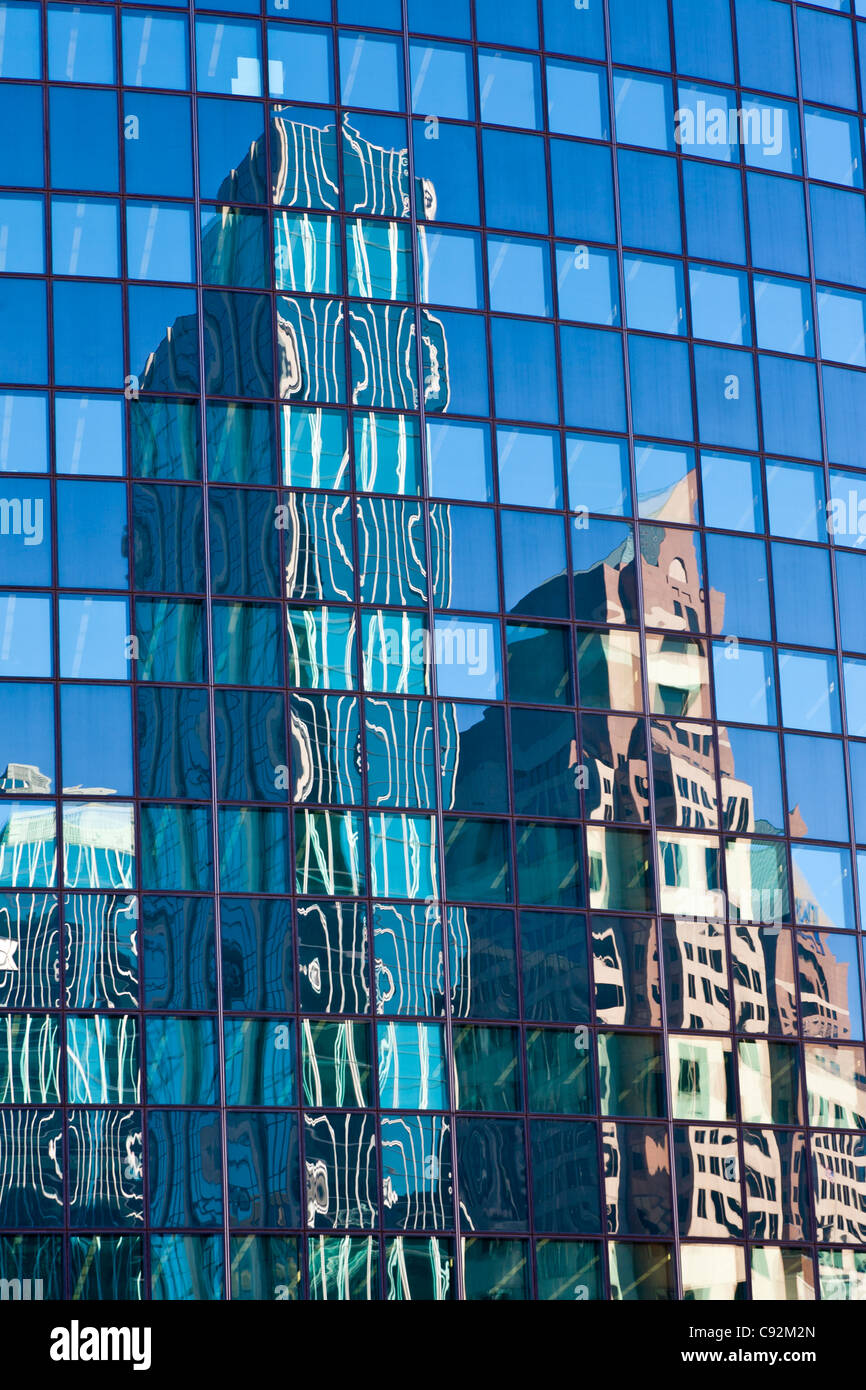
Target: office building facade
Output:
[{"x": 432, "y": 650}]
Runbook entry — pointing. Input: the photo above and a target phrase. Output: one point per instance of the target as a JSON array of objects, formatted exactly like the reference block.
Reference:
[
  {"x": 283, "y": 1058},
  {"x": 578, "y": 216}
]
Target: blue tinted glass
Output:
[
  {"x": 85, "y": 236},
  {"x": 24, "y": 434},
  {"x": 300, "y": 64},
  {"x": 766, "y": 45},
  {"x": 745, "y": 683},
  {"x": 155, "y": 50},
  {"x": 508, "y": 157},
  {"x": 97, "y": 359},
  {"x": 661, "y": 390},
  {"x": 451, "y": 268},
  {"x": 713, "y": 202},
  {"x": 833, "y": 148},
  {"x": 639, "y": 33},
  {"x": 737, "y": 570},
  {"x": 838, "y": 235},
  {"x": 371, "y": 72},
  {"x": 96, "y": 733},
  {"x": 518, "y": 275},
  {"x": 598, "y": 475},
  {"x": 777, "y": 224},
  {"x": 228, "y": 57},
  {"x": 577, "y": 29},
  {"x": 449, "y": 164},
  {"x": 517, "y": 24},
  {"x": 789, "y": 406},
  {"x": 529, "y": 468},
  {"x": 809, "y": 689},
  {"x": 826, "y": 59},
  {"x": 795, "y": 496},
  {"x": 234, "y": 129},
  {"x": 80, "y": 44},
  {"x": 89, "y": 434},
  {"x": 94, "y": 638},
  {"x": 22, "y": 234},
  {"x": 23, "y": 339},
  {"x": 27, "y": 620},
  {"x": 577, "y": 101},
  {"x": 720, "y": 304},
  {"x": 725, "y": 384},
  {"x": 458, "y": 457},
  {"x": 22, "y": 159},
  {"x": 587, "y": 284},
  {"x": 649, "y": 201},
  {"x": 582, "y": 184},
  {"x": 83, "y": 139},
  {"x": 804, "y": 601},
  {"x": 25, "y": 524},
  {"x": 643, "y": 111},
  {"x": 448, "y": 17},
  {"x": 28, "y": 736},
  {"x": 533, "y": 559},
  {"x": 93, "y": 549},
  {"x": 817, "y": 799},
  {"x": 731, "y": 486},
  {"x": 159, "y": 242},
  {"x": 510, "y": 90},
  {"x": 703, "y": 39},
  {"x": 593, "y": 382},
  {"x": 442, "y": 81},
  {"x": 157, "y": 145},
  {"x": 21, "y": 54},
  {"x": 524, "y": 370}
]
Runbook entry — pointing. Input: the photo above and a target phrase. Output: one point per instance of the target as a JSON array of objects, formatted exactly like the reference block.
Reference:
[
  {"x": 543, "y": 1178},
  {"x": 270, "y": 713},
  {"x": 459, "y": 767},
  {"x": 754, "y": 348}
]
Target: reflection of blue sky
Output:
[
  {"x": 658, "y": 472},
  {"x": 468, "y": 658},
  {"x": 23, "y": 432},
  {"x": 810, "y": 694},
  {"x": 89, "y": 435},
  {"x": 731, "y": 489},
  {"x": 822, "y": 877},
  {"x": 598, "y": 474},
  {"x": 459, "y": 460},
  {"x": 744, "y": 684},
  {"x": 855, "y": 695},
  {"x": 27, "y": 727},
  {"x": 25, "y": 635},
  {"x": 529, "y": 468},
  {"x": 93, "y": 634},
  {"x": 85, "y": 236},
  {"x": 96, "y": 737}
]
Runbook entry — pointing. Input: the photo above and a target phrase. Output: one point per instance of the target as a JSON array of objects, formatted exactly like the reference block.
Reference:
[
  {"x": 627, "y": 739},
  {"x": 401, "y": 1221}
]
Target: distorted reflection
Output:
[{"x": 707, "y": 1182}]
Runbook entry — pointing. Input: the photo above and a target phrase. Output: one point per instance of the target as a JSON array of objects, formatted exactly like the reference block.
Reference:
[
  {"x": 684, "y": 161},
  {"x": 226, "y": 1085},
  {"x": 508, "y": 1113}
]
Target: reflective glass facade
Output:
[{"x": 433, "y": 650}]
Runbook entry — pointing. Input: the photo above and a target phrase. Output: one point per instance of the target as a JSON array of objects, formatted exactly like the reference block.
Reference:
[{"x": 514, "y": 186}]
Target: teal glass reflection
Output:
[
  {"x": 412, "y": 1066},
  {"x": 335, "y": 1063},
  {"x": 186, "y": 1268},
  {"x": 486, "y": 1071},
  {"x": 259, "y": 1061},
  {"x": 315, "y": 449},
  {"x": 30, "y": 1059},
  {"x": 181, "y": 1060},
  {"x": 403, "y": 858},
  {"x": 329, "y": 853},
  {"x": 307, "y": 253},
  {"x": 102, "y": 1060}
]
